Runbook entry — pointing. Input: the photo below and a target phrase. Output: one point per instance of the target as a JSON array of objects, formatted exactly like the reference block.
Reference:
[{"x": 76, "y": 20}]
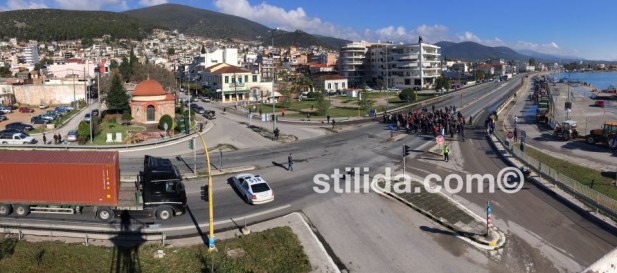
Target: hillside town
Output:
[
  {"x": 64, "y": 71},
  {"x": 204, "y": 141}
]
